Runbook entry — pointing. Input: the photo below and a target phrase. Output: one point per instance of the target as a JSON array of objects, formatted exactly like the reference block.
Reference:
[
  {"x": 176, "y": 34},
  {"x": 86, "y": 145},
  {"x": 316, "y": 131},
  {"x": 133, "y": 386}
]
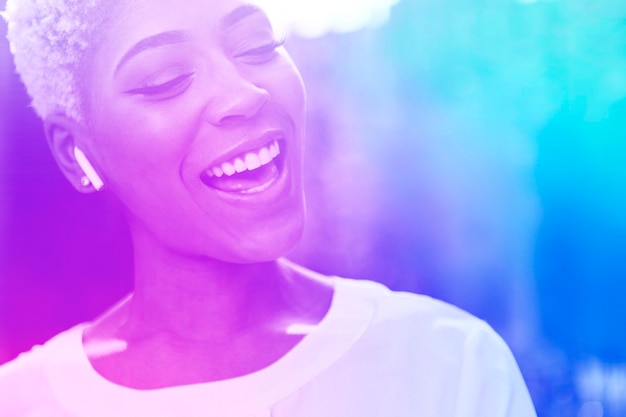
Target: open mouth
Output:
[{"x": 249, "y": 172}]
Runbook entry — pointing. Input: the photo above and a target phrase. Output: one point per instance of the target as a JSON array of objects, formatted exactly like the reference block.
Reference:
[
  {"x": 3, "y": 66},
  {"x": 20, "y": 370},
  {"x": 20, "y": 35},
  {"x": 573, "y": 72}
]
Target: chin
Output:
[{"x": 272, "y": 243}]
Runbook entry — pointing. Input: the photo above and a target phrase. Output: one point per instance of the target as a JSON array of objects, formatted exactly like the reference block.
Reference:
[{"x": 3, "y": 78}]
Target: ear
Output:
[{"x": 63, "y": 134}]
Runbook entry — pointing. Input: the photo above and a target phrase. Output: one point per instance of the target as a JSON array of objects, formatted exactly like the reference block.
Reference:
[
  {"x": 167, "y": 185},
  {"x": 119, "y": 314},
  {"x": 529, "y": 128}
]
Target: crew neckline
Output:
[{"x": 84, "y": 392}]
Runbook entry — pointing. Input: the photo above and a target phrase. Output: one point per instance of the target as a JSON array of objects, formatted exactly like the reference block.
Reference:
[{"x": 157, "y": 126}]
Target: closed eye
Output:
[
  {"x": 168, "y": 89},
  {"x": 260, "y": 54}
]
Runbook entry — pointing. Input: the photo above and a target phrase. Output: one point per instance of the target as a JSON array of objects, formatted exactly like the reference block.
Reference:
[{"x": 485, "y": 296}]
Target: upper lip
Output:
[{"x": 248, "y": 145}]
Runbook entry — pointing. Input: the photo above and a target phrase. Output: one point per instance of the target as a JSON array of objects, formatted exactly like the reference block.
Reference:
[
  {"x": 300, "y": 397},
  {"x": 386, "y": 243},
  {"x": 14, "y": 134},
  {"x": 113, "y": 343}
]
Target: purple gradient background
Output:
[{"x": 462, "y": 151}]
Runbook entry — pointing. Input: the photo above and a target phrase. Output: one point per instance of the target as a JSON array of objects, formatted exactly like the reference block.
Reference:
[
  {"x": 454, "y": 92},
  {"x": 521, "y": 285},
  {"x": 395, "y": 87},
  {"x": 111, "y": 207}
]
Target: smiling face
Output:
[{"x": 196, "y": 118}]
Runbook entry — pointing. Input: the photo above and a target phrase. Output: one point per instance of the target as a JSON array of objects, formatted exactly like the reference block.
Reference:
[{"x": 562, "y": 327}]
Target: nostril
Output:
[{"x": 232, "y": 119}]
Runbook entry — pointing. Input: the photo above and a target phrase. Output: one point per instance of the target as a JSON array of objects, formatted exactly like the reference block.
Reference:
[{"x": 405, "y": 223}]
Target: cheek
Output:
[
  {"x": 290, "y": 90},
  {"x": 284, "y": 83},
  {"x": 147, "y": 141},
  {"x": 140, "y": 153}
]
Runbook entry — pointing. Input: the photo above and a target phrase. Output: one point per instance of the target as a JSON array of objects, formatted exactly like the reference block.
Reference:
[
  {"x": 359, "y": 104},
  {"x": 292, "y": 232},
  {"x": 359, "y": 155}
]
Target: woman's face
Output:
[{"x": 181, "y": 95}]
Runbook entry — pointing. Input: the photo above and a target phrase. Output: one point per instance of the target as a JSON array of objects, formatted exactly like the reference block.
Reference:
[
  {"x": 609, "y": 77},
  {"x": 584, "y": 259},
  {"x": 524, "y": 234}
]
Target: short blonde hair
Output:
[{"x": 48, "y": 40}]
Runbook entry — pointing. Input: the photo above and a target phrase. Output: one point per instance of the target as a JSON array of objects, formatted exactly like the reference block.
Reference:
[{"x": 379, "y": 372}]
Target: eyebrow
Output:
[
  {"x": 238, "y": 14},
  {"x": 155, "y": 41}
]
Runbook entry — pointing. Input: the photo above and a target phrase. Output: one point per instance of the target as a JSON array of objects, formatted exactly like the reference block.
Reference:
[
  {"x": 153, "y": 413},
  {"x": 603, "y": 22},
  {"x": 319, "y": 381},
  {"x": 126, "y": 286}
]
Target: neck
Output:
[
  {"x": 207, "y": 320},
  {"x": 202, "y": 299}
]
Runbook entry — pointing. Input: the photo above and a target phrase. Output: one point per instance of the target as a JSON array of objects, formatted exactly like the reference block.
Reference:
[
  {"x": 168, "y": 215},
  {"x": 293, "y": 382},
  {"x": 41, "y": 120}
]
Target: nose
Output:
[{"x": 235, "y": 98}]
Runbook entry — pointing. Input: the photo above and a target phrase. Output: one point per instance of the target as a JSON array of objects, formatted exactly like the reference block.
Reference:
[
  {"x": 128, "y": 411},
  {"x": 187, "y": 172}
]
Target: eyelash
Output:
[
  {"x": 170, "y": 88},
  {"x": 262, "y": 53}
]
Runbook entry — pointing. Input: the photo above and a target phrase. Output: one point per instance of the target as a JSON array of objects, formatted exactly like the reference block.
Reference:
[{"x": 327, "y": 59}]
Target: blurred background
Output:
[{"x": 472, "y": 150}]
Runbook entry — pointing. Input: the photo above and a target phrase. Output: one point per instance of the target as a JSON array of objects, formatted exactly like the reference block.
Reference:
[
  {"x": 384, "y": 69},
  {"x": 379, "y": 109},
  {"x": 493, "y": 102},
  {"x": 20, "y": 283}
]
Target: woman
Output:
[{"x": 192, "y": 115}]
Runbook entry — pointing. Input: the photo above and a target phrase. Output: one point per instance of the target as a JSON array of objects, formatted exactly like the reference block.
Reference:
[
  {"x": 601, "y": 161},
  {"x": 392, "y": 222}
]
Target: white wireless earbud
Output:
[{"x": 90, "y": 173}]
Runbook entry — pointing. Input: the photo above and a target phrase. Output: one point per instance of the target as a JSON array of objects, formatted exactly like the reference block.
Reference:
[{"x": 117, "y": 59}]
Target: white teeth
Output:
[
  {"x": 252, "y": 161},
  {"x": 264, "y": 156},
  {"x": 218, "y": 172},
  {"x": 240, "y": 166},
  {"x": 228, "y": 168},
  {"x": 249, "y": 162},
  {"x": 274, "y": 149}
]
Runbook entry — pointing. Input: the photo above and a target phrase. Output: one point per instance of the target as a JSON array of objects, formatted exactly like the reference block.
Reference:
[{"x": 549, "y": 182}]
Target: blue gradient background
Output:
[{"x": 470, "y": 150}]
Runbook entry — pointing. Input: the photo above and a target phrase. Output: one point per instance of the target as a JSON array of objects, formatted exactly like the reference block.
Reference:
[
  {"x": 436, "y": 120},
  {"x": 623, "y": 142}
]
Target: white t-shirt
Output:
[{"x": 377, "y": 353}]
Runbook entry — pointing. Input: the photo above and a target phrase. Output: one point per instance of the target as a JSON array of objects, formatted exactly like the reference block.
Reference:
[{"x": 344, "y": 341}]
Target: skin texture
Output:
[{"x": 208, "y": 286}]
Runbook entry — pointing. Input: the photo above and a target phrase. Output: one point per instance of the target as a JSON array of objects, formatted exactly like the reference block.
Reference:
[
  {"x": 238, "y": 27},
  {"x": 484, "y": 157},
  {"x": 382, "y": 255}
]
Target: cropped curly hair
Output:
[{"x": 48, "y": 40}]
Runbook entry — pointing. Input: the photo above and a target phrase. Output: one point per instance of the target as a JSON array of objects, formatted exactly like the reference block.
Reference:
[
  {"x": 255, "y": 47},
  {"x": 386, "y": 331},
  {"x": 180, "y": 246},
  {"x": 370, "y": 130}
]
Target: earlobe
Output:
[{"x": 64, "y": 136}]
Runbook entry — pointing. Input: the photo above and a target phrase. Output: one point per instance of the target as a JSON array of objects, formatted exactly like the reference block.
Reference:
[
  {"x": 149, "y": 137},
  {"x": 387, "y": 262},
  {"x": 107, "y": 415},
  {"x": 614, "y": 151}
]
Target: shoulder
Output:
[
  {"x": 445, "y": 346},
  {"x": 420, "y": 319},
  {"x": 416, "y": 310},
  {"x": 23, "y": 369},
  {"x": 20, "y": 380},
  {"x": 24, "y": 386}
]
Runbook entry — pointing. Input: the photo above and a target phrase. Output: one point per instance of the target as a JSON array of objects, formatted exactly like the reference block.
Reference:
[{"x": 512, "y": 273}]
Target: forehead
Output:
[
  {"x": 132, "y": 22},
  {"x": 140, "y": 18}
]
